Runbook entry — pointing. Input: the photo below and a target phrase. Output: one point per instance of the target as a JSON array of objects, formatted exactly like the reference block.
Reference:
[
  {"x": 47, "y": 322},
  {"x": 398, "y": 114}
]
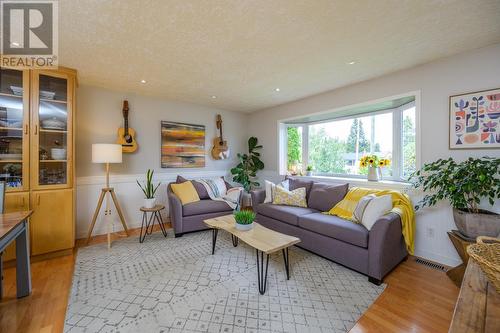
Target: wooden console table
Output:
[{"x": 478, "y": 304}]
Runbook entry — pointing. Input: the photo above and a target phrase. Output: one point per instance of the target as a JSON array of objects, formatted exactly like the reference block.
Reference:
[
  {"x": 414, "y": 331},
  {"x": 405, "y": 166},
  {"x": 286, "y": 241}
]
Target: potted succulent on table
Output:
[
  {"x": 464, "y": 185},
  {"x": 244, "y": 219},
  {"x": 149, "y": 190}
]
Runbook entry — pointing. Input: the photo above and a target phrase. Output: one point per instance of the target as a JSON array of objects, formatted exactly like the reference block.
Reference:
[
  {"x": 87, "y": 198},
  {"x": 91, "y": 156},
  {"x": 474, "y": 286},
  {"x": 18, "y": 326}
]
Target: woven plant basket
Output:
[{"x": 486, "y": 252}]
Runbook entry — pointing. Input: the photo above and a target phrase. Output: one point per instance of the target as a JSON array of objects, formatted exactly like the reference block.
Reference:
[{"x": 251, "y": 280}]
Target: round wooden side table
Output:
[{"x": 148, "y": 223}]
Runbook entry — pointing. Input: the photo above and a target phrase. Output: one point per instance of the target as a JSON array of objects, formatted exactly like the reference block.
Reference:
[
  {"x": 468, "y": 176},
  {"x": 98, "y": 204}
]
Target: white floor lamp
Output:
[{"x": 107, "y": 153}]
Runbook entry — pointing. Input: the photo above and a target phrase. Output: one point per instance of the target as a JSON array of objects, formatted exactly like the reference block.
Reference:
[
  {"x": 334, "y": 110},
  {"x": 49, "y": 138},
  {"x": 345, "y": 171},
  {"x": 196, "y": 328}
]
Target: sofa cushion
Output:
[
  {"x": 205, "y": 207},
  {"x": 200, "y": 189},
  {"x": 295, "y": 198},
  {"x": 295, "y": 183},
  {"x": 185, "y": 192},
  {"x": 324, "y": 196},
  {"x": 335, "y": 227},
  {"x": 287, "y": 214}
]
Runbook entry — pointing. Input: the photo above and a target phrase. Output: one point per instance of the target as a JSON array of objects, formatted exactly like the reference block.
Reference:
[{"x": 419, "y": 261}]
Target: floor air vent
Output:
[{"x": 431, "y": 264}]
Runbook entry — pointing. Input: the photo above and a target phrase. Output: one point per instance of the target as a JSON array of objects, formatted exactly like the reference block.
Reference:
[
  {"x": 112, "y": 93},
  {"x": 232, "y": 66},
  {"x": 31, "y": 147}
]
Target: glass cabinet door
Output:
[
  {"x": 52, "y": 129},
  {"x": 14, "y": 128}
]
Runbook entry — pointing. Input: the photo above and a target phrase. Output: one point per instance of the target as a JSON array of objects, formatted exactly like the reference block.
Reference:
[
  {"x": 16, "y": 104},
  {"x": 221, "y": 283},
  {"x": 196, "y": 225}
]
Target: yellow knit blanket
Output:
[{"x": 401, "y": 205}]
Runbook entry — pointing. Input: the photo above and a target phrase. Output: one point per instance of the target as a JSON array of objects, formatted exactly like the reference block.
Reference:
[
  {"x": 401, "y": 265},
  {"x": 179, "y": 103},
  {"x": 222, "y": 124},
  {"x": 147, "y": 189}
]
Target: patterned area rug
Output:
[{"x": 176, "y": 285}]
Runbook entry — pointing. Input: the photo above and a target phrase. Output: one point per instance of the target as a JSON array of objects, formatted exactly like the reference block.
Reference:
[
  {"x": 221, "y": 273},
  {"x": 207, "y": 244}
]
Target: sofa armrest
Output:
[
  {"x": 386, "y": 246},
  {"x": 258, "y": 197},
  {"x": 175, "y": 210}
]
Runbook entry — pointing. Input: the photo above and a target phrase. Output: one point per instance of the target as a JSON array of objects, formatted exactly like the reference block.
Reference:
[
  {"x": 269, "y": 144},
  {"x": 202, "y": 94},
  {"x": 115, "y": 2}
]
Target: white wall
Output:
[
  {"x": 99, "y": 115},
  {"x": 436, "y": 81}
]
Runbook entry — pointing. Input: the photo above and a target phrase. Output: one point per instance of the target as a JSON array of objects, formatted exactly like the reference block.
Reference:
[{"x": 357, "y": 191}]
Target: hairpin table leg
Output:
[
  {"x": 287, "y": 263},
  {"x": 162, "y": 227},
  {"x": 214, "y": 239},
  {"x": 261, "y": 274},
  {"x": 235, "y": 240}
]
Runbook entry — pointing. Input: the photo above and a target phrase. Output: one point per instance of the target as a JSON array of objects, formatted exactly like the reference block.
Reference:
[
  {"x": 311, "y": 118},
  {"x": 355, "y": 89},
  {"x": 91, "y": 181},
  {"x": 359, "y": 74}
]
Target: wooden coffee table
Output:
[{"x": 263, "y": 240}]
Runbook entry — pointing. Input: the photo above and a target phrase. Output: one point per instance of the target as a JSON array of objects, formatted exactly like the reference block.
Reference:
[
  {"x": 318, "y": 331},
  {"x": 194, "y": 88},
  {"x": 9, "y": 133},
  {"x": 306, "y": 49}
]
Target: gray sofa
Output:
[
  {"x": 190, "y": 217},
  {"x": 373, "y": 253}
]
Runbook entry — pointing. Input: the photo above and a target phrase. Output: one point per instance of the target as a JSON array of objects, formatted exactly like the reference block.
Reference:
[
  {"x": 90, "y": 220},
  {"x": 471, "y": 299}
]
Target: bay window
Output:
[{"x": 333, "y": 144}]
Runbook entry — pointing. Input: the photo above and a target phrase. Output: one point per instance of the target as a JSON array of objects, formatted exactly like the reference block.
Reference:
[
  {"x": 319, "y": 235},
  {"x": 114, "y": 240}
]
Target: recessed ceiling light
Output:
[
  {"x": 351, "y": 62},
  {"x": 14, "y": 44},
  {"x": 143, "y": 81},
  {"x": 214, "y": 97},
  {"x": 277, "y": 89}
]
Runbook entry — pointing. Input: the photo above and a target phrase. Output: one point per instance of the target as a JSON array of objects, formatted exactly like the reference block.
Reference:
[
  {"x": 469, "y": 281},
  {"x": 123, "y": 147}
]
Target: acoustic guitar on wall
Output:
[
  {"x": 126, "y": 135},
  {"x": 220, "y": 150}
]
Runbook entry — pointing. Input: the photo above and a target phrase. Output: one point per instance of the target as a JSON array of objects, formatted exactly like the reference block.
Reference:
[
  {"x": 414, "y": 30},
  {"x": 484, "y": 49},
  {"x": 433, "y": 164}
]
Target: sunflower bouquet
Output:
[{"x": 373, "y": 161}]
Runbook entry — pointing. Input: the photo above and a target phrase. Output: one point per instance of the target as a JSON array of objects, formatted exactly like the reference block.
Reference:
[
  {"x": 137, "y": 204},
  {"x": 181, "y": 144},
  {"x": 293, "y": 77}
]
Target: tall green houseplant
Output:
[
  {"x": 465, "y": 185},
  {"x": 246, "y": 170}
]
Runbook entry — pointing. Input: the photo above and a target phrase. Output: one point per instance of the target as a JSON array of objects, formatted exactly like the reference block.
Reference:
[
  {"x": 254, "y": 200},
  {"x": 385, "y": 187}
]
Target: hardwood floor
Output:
[{"x": 417, "y": 299}]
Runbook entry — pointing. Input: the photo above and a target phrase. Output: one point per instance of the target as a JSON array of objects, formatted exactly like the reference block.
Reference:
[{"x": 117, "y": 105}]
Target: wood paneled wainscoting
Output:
[{"x": 417, "y": 298}]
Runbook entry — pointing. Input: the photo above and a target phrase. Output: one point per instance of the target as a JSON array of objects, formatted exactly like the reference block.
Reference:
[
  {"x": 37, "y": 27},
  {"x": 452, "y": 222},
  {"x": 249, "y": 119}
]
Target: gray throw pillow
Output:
[
  {"x": 324, "y": 196},
  {"x": 296, "y": 183},
  {"x": 200, "y": 189}
]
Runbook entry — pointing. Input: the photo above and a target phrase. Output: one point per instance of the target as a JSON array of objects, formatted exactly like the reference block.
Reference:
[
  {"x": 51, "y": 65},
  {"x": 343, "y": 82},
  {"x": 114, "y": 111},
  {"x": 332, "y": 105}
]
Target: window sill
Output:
[{"x": 384, "y": 184}]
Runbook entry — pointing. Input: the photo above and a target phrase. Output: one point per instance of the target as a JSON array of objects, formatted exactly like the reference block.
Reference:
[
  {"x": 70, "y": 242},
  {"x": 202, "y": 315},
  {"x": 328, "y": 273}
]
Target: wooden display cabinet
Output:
[{"x": 37, "y": 112}]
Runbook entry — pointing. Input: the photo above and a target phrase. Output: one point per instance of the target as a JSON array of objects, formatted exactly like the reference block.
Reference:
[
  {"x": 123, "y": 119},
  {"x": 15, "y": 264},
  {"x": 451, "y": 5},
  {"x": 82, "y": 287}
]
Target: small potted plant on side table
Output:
[
  {"x": 149, "y": 190},
  {"x": 244, "y": 220}
]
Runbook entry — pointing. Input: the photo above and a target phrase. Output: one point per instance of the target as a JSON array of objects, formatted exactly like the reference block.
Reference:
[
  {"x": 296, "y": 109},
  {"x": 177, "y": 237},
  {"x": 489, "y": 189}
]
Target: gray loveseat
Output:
[
  {"x": 190, "y": 217},
  {"x": 373, "y": 253}
]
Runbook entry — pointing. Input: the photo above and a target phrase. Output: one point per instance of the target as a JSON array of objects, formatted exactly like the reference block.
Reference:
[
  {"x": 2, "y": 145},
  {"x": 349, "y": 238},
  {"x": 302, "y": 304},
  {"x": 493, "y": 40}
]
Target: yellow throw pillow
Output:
[
  {"x": 296, "y": 197},
  {"x": 185, "y": 192}
]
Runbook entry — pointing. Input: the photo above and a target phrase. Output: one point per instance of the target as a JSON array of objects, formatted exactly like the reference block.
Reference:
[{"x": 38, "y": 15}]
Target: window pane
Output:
[
  {"x": 336, "y": 147},
  {"x": 327, "y": 148},
  {"x": 294, "y": 149},
  {"x": 382, "y": 139},
  {"x": 408, "y": 143}
]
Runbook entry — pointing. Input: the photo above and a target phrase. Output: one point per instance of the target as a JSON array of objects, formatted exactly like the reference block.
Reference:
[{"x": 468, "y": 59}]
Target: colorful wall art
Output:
[
  {"x": 475, "y": 120},
  {"x": 182, "y": 145}
]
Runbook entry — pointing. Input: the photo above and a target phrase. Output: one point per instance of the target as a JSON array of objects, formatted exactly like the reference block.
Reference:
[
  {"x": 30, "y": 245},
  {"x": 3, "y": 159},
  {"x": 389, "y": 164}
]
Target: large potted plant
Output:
[
  {"x": 245, "y": 172},
  {"x": 149, "y": 190},
  {"x": 464, "y": 185}
]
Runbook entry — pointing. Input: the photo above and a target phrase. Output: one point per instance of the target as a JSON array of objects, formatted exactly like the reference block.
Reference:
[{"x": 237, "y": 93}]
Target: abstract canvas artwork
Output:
[
  {"x": 182, "y": 145},
  {"x": 475, "y": 120}
]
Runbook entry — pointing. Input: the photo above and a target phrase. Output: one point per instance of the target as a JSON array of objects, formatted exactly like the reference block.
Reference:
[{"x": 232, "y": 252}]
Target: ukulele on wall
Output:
[
  {"x": 220, "y": 150},
  {"x": 126, "y": 135}
]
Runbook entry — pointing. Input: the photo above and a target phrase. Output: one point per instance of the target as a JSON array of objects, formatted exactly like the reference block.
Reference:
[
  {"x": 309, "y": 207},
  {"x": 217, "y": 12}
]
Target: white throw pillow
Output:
[
  {"x": 270, "y": 189},
  {"x": 361, "y": 206},
  {"x": 376, "y": 208}
]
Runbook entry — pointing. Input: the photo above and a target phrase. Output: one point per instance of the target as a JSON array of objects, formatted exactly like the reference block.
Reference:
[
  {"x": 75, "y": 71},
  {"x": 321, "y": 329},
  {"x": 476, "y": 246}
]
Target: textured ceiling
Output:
[{"x": 240, "y": 51}]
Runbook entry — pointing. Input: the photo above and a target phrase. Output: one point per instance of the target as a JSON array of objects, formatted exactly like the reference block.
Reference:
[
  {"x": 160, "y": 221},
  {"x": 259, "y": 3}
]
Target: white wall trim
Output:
[{"x": 158, "y": 177}]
